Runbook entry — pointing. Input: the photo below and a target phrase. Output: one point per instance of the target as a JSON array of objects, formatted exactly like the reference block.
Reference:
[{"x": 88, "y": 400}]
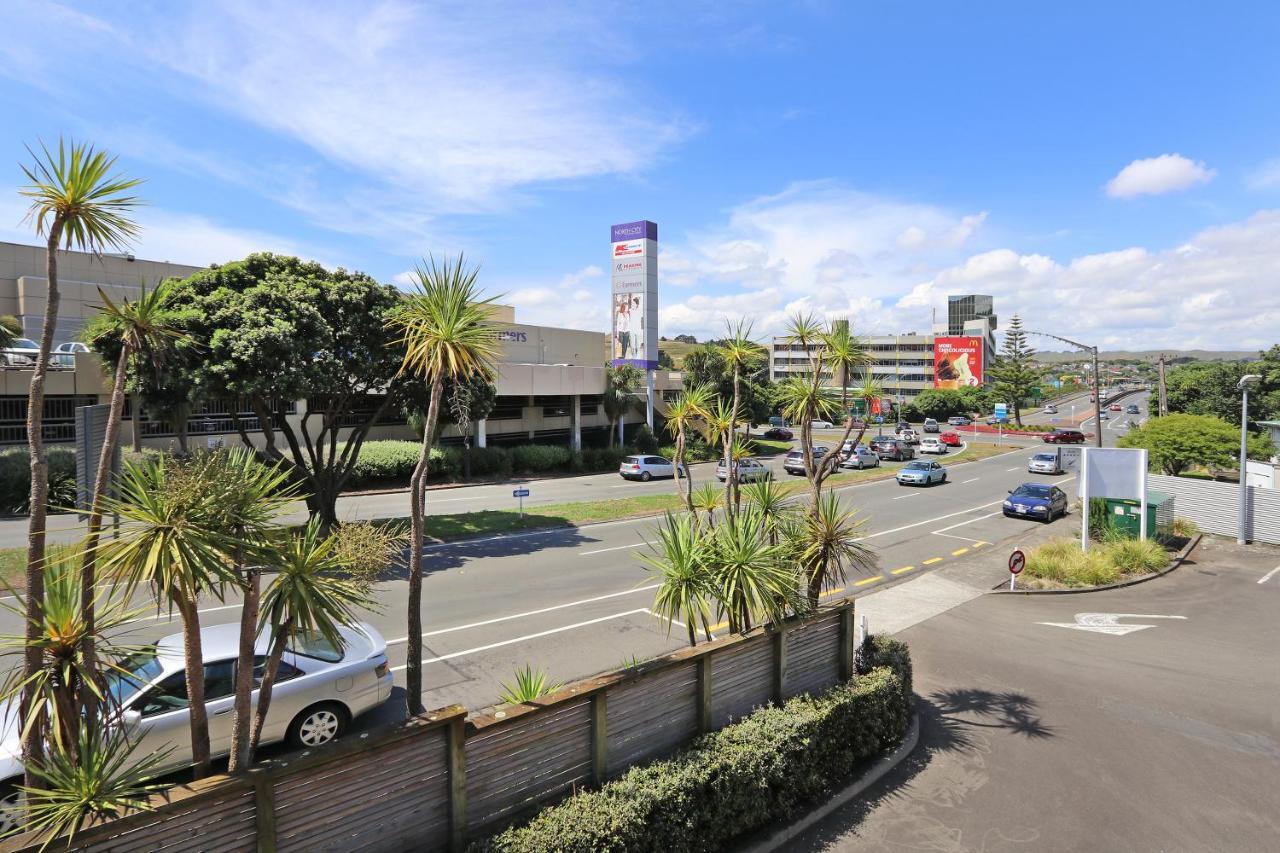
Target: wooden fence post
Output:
[
  {"x": 456, "y": 740},
  {"x": 846, "y": 642},
  {"x": 779, "y": 664},
  {"x": 704, "y": 694},
  {"x": 599, "y": 736},
  {"x": 264, "y": 812}
]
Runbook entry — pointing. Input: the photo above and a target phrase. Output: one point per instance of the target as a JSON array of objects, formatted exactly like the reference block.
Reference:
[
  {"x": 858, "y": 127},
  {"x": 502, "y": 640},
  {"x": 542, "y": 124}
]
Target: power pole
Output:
[{"x": 1164, "y": 398}]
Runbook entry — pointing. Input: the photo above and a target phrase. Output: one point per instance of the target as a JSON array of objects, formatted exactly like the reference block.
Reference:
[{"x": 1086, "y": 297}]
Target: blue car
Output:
[
  {"x": 921, "y": 473},
  {"x": 1036, "y": 500}
]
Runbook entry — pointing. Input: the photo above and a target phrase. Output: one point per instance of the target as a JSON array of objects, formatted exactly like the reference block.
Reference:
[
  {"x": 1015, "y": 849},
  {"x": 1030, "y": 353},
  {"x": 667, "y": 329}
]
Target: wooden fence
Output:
[{"x": 439, "y": 780}]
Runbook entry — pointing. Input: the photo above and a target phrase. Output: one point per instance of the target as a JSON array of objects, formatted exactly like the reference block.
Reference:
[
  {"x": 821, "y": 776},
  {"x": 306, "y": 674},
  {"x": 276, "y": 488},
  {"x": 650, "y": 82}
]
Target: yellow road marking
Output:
[
  {"x": 980, "y": 544},
  {"x": 961, "y": 551},
  {"x": 866, "y": 581},
  {"x": 901, "y": 570},
  {"x": 932, "y": 560}
]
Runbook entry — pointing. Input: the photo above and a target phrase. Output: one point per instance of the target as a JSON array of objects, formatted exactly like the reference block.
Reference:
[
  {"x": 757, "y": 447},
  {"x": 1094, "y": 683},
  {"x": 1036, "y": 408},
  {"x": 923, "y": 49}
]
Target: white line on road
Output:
[
  {"x": 1269, "y": 575},
  {"x": 902, "y": 497},
  {"x": 169, "y": 616},
  {"x": 529, "y": 613},
  {"x": 932, "y": 520},
  {"x": 974, "y": 480},
  {"x": 1019, "y": 468},
  {"x": 943, "y": 531},
  {"x": 614, "y": 548},
  {"x": 961, "y": 538},
  {"x": 527, "y": 637}
]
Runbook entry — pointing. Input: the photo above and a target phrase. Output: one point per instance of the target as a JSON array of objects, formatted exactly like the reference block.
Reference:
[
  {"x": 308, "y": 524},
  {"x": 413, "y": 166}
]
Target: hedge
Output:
[
  {"x": 391, "y": 463},
  {"x": 15, "y": 480},
  {"x": 765, "y": 767}
]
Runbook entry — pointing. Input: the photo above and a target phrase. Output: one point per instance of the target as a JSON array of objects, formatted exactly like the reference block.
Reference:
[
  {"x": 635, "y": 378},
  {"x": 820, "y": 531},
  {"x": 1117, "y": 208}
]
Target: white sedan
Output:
[
  {"x": 930, "y": 444},
  {"x": 822, "y": 425},
  {"x": 319, "y": 689}
]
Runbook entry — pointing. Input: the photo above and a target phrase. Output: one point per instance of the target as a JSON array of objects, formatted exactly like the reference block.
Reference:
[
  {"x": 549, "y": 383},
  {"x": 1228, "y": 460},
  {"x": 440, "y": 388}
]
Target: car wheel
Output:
[
  {"x": 645, "y": 476},
  {"x": 318, "y": 725},
  {"x": 944, "y": 477}
]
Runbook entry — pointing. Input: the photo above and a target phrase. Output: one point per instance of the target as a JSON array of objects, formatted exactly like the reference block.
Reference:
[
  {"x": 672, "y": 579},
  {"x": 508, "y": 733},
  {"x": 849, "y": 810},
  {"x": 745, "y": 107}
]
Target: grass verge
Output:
[{"x": 1060, "y": 563}]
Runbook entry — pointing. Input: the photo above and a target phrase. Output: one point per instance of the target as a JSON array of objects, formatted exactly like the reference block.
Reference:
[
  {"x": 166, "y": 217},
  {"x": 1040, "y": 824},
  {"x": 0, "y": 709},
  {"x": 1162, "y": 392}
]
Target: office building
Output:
[{"x": 967, "y": 308}]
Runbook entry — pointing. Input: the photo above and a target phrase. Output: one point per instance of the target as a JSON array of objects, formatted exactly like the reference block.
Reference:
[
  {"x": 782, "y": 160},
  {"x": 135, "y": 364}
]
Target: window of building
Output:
[
  {"x": 508, "y": 409},
  {"x": 554, "y": 406}
]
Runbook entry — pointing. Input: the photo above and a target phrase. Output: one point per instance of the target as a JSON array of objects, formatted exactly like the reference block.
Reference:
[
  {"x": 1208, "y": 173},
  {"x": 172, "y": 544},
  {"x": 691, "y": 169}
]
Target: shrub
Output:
[
  {"x": 1137, "y": 556},
  {"x": 1185, "y": 528},
  {"x": 604, "y": 458},
  {"x": 392, "y": 462},
  {"x": 535, "y": 458},
  {"x": 749, "y": 773},
  {"x": 15, "y": 480},
  {"x": 646, "y": 441},
  {"x": 490, "y": 462},
  {"x": 1061, "y": 561}
]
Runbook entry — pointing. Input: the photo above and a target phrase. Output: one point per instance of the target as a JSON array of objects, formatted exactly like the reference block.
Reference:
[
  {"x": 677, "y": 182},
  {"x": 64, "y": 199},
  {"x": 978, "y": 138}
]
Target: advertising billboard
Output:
[
  {"x": 957, "y": 362},
  {"x": 633, "y": 256}
]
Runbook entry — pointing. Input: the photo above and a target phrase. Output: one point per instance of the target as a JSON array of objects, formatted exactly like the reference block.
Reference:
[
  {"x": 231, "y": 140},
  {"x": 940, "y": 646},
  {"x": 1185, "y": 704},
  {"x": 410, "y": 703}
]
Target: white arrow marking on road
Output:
[{"x": 1108, "y": 623}]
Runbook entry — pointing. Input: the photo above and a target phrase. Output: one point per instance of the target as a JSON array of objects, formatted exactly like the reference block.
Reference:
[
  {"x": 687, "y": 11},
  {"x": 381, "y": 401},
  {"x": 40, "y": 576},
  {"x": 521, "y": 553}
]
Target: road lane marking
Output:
[
  {"x": 957, "y": 553},
  {"x": 527, "y": 613},
  {"x": 902, "y": 497},
  {"x": 614, "y": 548},
  {"x": 974, "y": 480},
  {"x": 932, "y": 520},
  {"x": 932, "y": 560},
  {"x": 901, "y": 570},
  {"x": 171, "y": 615},
  {"x": 1019, "y": 468},
  {"x": 968, "y": 539},
  {"x": 1108, "y": 623},
  {"x": 866, "y": 581},
  {"x": 980, "y": 543},
  {"x": 1269, "y": 575},
  {"x": 525, "y": 638}
]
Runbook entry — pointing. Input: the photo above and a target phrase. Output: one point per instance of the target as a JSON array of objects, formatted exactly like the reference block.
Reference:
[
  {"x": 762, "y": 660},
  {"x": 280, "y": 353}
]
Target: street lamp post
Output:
[
  {"x": 1243, "y": 388},
  {"x": 1097, "y": 381}
]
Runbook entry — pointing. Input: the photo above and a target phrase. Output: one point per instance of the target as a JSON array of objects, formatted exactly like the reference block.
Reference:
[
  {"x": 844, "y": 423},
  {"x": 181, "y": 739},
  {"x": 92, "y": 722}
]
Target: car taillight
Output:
[{"x": 381, "y": 669}]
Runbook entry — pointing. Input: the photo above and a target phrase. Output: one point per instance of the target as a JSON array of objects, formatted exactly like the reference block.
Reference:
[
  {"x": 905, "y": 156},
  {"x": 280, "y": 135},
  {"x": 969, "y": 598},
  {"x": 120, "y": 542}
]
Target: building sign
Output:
[
  {"x": 957, "y": 362},
  {"x": 634, "y": 294}
]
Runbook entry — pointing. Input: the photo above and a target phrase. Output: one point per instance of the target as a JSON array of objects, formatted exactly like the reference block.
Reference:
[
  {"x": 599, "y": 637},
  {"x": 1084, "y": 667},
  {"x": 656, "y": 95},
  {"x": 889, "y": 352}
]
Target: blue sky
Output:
[{"x": 1108, "y": 170}]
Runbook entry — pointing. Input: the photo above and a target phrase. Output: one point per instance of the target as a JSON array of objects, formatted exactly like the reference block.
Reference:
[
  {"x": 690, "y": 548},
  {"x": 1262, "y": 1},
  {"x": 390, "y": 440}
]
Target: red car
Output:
[
  {"x": 1064, "y": 436},
  {"x": 1115, "y": 407},
  {"x": 950, "y": 439}
]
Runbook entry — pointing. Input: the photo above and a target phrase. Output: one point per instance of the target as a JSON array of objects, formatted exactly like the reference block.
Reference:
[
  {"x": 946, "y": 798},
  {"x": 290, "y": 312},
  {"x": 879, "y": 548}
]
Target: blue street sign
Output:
[
  {"x": 879, "y": 419},
  {"x": 520, "y": 493}
]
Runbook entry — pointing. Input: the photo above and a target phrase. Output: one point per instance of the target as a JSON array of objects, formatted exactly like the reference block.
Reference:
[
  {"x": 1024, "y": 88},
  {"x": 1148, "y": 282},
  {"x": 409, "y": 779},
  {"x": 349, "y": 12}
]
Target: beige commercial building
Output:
[{"x": 549, "y": 387}]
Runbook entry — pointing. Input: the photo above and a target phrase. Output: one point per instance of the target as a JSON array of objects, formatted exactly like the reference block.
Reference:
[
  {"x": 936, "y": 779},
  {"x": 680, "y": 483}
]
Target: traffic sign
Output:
[
  {"x": 520, "y": 493},
  {"x": 1017, "y": 561}
]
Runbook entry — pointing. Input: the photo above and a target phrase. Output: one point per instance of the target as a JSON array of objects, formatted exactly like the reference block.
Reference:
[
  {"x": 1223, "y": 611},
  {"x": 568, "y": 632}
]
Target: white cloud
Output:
[
  {"x": 1157, "y": 175},
  {"x": 1265, "y": 177},
  {"x": 578, "y": 300}
]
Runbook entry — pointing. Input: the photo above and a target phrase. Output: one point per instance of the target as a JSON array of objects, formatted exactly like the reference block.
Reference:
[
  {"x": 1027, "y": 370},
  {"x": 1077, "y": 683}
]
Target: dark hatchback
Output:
[
  {"x": 1040, "y": 501},
  {"x": 1064, "y": 436},
  {"x": 891, "y": 448}
]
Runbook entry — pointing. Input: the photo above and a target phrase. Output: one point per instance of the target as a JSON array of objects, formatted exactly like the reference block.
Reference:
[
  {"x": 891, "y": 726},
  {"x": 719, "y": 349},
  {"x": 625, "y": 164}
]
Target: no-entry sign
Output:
[{"x": 1017, "y": 562}]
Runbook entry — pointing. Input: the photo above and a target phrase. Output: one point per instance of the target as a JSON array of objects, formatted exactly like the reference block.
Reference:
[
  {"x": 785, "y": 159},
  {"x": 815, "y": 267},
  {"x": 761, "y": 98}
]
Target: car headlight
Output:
[
  {"x": 1008, "y": 504},
  {"x": 1039, "y": 509}
]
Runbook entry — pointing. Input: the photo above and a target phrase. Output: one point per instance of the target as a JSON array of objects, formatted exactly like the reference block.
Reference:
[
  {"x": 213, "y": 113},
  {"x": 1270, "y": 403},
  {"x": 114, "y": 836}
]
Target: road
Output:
[
  {"x": 574, "y": 601},
  {"x": 1037, "y": 737}
]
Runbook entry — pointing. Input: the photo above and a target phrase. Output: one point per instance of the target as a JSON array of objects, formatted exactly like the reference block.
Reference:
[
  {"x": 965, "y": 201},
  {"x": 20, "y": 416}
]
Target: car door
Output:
[
  {"x": 164, "y": 722},
  {"x": 1059, "y": 501},
  {"x": 660, "y": 467}
]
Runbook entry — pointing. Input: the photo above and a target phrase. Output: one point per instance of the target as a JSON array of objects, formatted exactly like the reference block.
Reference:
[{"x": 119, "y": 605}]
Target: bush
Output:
[
  {"x": 536, "y": 458},
  {"x": 392, "y": 462},
  {"x": 490, "y": 462},
  {"x": 1061, "y": 561},
  {"x": 604, "y": 458},
  {"x": 765, "y": 767},
  {"x": 15, "y": 480},
  {"x": 1185, "y": 528},
  {"x": 646, "y": 441},
  {"x": 1137, "y": 556}
]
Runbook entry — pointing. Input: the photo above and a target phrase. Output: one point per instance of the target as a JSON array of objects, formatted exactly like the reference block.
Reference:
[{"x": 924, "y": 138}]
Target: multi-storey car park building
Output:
[{"x": 550, "y": 381}]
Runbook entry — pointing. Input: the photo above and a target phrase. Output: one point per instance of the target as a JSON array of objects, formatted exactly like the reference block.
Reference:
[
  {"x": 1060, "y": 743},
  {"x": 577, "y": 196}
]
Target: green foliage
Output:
[
  {"x": 1016, "y": 374},
  {"x": 767, "y": 766},
  {"x": 604, "y": 458},
  {"x": 1061, "y": 562},
  {"x": 529, "y": 684},
  {"x": 1185, "y": 528},
  {"x": 15, "y": 480},
  {"x": 490, "y": 462},
  {"x": 1179, "y": 442},
  {"x": 384, "y": 462},
  {"x": 942, "y": 403},
  {"x": 708, "y": 366},
  {"x": 539, "y": 458},
  {"x": 1209, "y": 388},
  {"x": 645, "y": 441}
]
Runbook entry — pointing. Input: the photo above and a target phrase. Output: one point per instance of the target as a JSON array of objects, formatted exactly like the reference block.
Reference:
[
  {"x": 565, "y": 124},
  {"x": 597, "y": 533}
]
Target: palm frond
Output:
[{"x": 76, "y": 191}]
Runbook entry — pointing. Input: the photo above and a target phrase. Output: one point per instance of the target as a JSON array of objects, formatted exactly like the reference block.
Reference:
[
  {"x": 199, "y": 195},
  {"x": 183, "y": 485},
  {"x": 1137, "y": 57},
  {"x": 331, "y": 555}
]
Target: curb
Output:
[
  {"x": 1178, "y": 560},
  {"x": 872, "y": 775}
]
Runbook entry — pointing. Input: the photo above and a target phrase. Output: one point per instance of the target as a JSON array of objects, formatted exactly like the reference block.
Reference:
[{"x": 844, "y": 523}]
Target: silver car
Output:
[
  {"x": 645, "y": 468},
  {"x": 318, "y": 691},
  {"x": 22, "y": 352},
  {"x": 860, "y": 457},
  {"x": 748, "y": 470},
  {"x": 921, "y": 473},
  {"x": 1044, "y": 463}
]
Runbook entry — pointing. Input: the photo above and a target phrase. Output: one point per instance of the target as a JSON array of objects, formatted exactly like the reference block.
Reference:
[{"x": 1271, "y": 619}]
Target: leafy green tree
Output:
[
  {"x": 847, "y": 355},
  {"x": 707, "y": 366},
  {"x": 1178, "y": 442},
  {"x": 1210, "y": 388},
  {"x": 942, "y": 403},
  {"x": 751, "y": 578},
  {"x": 620, "y": 383},
  {"x": 683, "y": 414},
  {"x": 76, "y": 202},
  {"x": 10, "y": 330},
  {"x": 685, "y": 591},
  {"x": 273, "y": 329},
  {"x": 446, "y": 335},
  {"x": 827, "y": 544},
  {"x": 741, "y": 355},
  {"x": 1015, "y": 373}
]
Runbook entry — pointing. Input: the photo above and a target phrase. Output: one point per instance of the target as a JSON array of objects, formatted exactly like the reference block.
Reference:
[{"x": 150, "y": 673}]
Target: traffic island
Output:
[{"x": 1060, "y": 567}]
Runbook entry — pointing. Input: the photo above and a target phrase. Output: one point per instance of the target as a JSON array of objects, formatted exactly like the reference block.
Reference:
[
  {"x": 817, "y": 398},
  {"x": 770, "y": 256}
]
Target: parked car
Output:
[
  {"x": 931, "y": 444},
  {"x": 950, "y": 438},
  {"x": 1036, "y": 500},
  {"x": 861, "y": 457},
  {"x": 958, "y": 420},
  {"x": 821, "y": 424},
  {"x": 646, "y": 468},
  {"x": 72, "y": 347},
  {"x": 779, "y": 434},
  {"x": 922, "y": 472},
  {"x": 1051, "y": 409},
  {"x": 931, "y": 425},
  {"x": 794, "y": 461},
  {"x": 319, "y": 690},
  {"x": 1132, "y": 409},
  {"x": 1044, "y": 463},
  {"x": 1115, "y": 407},
  {"x": 749, "y": 470},
  {"x": 21, "y": 353},
  {"x": 1064, "y": 436},
  {"x": 901, "y": 426},
  {"x": 909, "y": 436},
  {"x": 891, "y": 448}
]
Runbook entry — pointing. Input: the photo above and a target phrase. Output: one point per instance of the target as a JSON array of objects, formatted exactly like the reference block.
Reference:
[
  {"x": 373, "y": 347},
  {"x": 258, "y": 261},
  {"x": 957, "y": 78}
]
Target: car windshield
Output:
[
  {"x": 795, "y": 454},
  {"x": 25, "y": 343},
  {"x": 134, "y": 673},
  {"x": 316, "y": 646},
  {"x": 918, "y": 466},
  {"x": 1045, "y": 457},
  {"x": 632, "y": 460},
  {"x": 1032, "y": 491}
]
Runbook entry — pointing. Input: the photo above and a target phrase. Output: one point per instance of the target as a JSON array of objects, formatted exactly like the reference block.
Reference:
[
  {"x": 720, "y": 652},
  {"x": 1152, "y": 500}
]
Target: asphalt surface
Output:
[
  {"x": 574, "y": 600},
  {"x": 1038, "y": 737}
]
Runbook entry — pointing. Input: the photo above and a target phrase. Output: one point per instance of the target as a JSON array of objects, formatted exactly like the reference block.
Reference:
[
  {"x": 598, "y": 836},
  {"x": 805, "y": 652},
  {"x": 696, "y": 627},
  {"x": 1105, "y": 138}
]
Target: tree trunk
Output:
[
  {"x": 88, "y": 576},
  {"x": 730, "y": 470},
  {"x": 241, "y": 725},
  {"x": 137, "y": 422},
  {"x": 33, "y": 740},
  {"x": 269, "y": 673},
  {"x": 417, "y": 537},
  {"x": 194, "y": 656}
]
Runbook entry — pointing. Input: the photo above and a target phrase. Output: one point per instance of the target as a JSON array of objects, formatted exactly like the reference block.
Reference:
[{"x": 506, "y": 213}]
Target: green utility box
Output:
[{"x": 1125, "y": 514}]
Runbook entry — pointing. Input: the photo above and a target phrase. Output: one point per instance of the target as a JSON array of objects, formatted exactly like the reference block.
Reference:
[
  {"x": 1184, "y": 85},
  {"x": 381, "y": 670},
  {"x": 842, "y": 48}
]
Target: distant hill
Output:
[
  {"x": 1150, "y": 355},
  {"x": 678, "y": 350}
]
